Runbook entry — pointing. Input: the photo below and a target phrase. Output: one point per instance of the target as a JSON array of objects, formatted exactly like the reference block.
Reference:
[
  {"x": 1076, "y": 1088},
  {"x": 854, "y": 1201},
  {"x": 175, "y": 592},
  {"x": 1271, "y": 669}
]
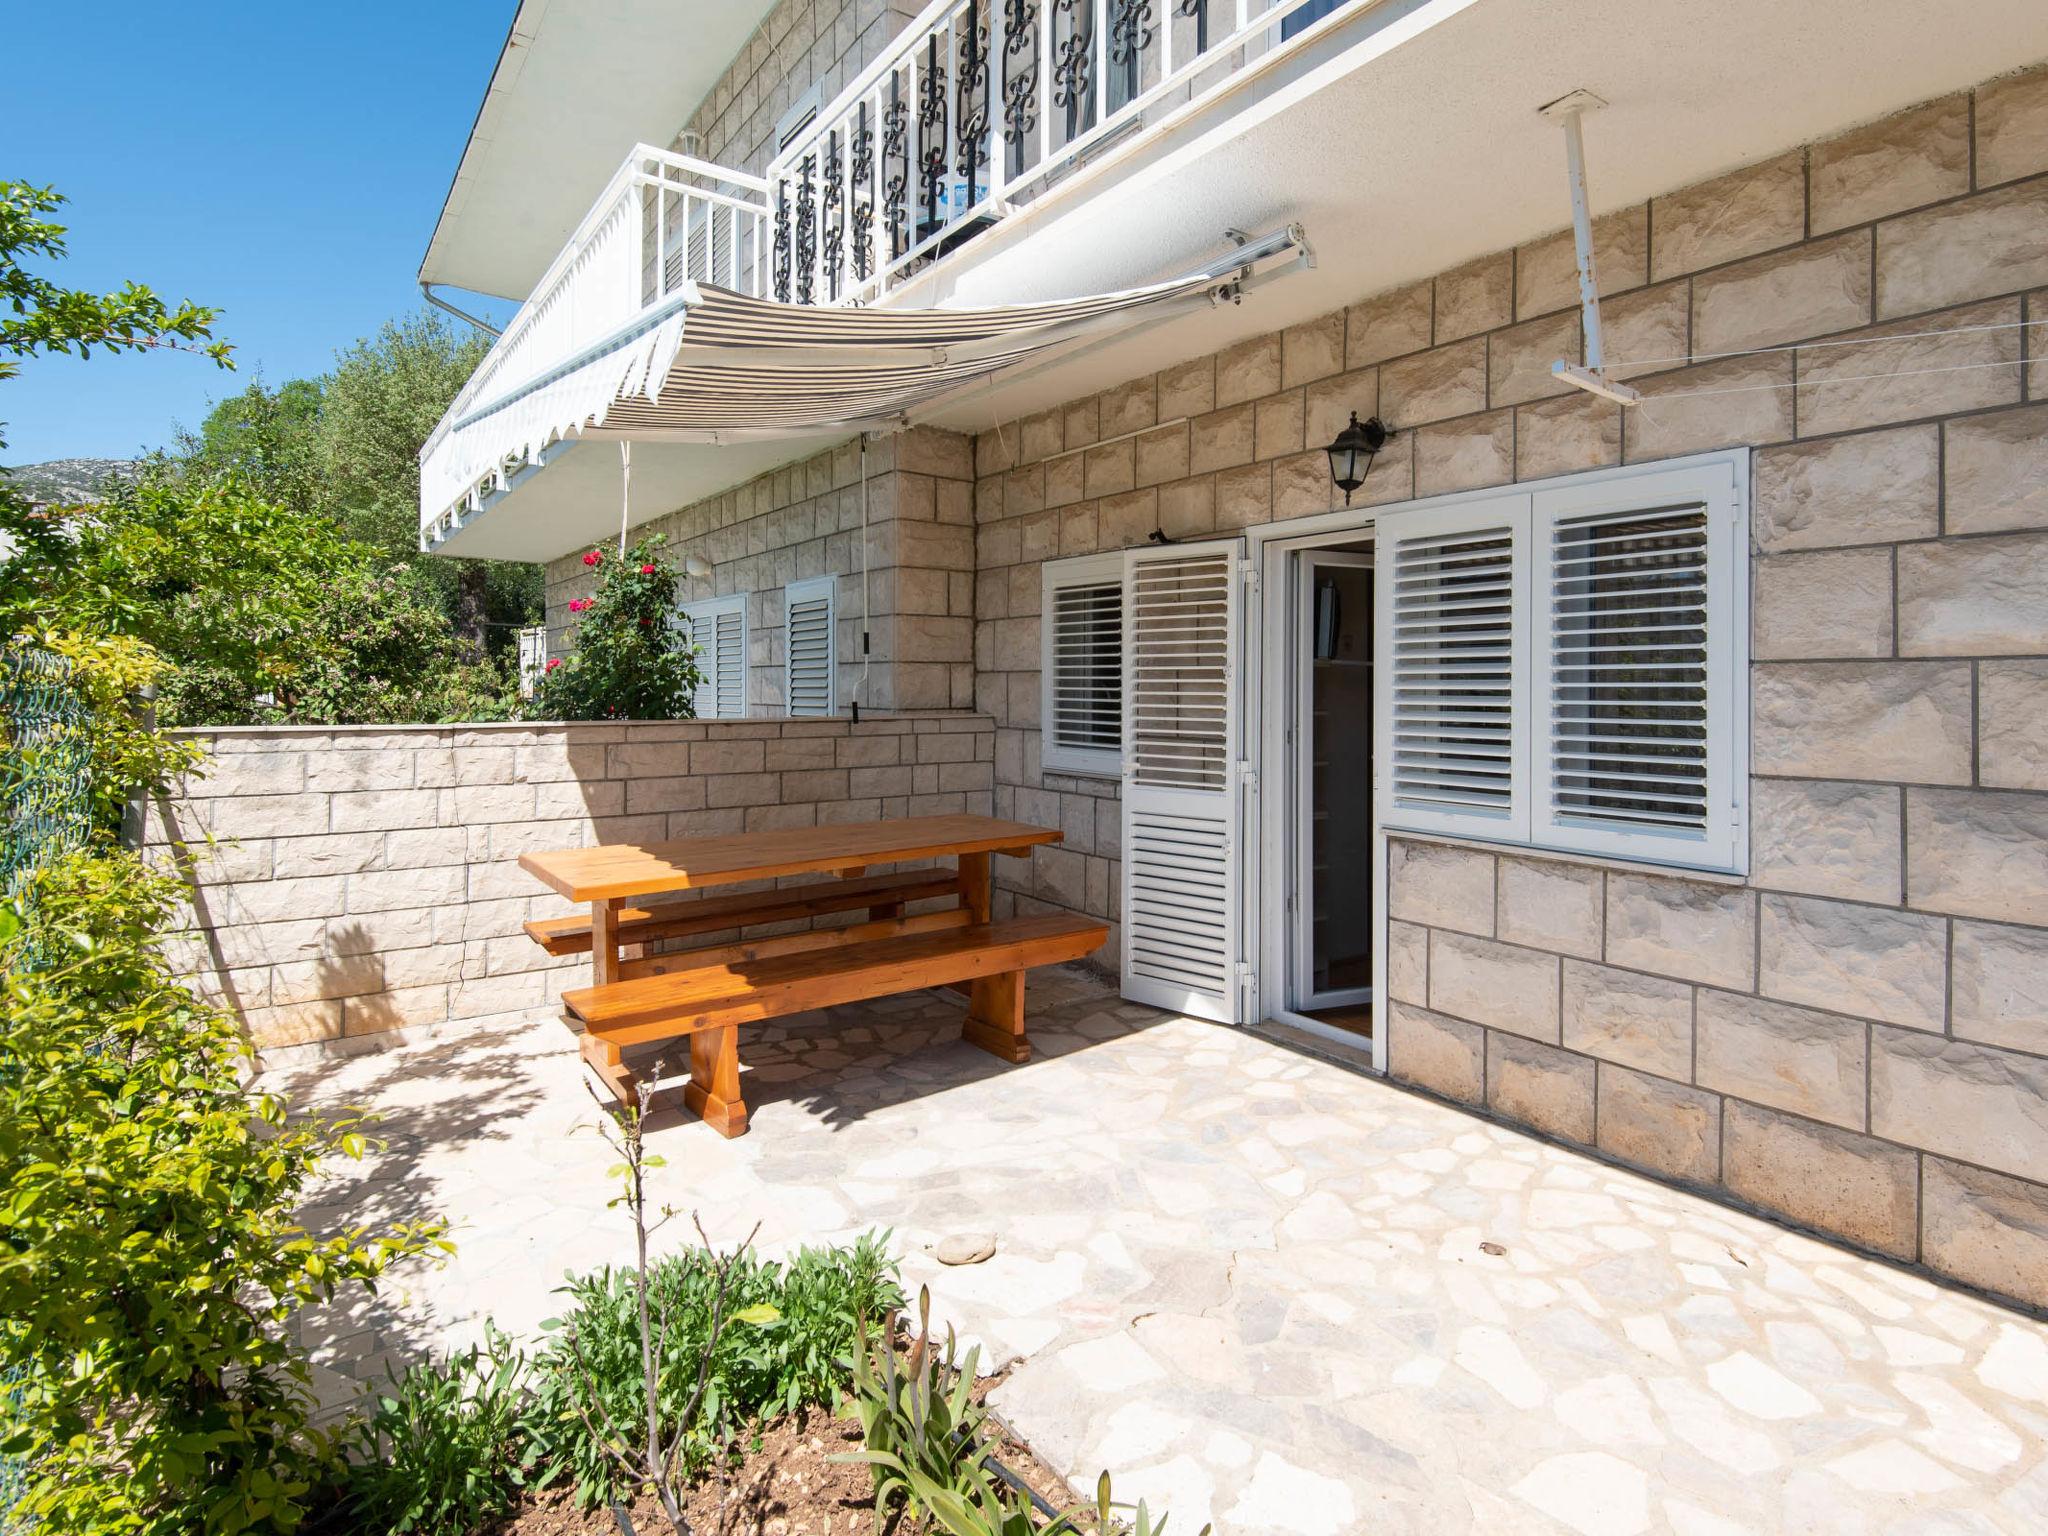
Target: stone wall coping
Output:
[
  {"x": 1580, "y": 860},
  {"x": 246, "y": 732}
]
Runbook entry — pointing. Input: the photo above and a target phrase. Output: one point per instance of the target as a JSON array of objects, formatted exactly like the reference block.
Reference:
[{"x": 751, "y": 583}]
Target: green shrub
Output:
[
  {"x": 797, "y": 1325},
  {"x": 440, "y": 1455},
  {"x": 150, "y": 1262},
  {"x": 630, "y": 659}
]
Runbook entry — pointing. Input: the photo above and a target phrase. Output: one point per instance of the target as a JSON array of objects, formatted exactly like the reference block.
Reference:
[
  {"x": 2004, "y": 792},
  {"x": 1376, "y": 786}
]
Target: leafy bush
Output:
[
  {"x": 263, "y": 614},
  {"x": 631, "y": 660},
  {"x": 149, "y": 1259},
  {"x": 440, "y": 1455},
  {"x": 798, "y": 1324}
]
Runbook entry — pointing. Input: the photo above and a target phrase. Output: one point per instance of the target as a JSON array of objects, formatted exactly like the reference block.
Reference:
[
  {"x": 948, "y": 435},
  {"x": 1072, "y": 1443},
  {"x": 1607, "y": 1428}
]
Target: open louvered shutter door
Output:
[
  {"x": 1181, "y": 906},
  {"x": 810, "y": 644},
  {"x": 729, "y": 649},
  {"x": 1454, "y": 652},
  {"x": 717, "y": 627},
  {"x": 1636, "y": 586}
]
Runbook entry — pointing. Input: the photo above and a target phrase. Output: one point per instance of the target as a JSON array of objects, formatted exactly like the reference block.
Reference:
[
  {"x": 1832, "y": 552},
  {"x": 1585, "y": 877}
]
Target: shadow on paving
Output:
[
  {"x": 840, "y": 1065},
  {"x": 433, "y": 1098}
]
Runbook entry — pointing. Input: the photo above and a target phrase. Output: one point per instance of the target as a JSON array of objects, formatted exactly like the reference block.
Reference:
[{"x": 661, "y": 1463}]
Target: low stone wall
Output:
[{"x": 350, "y": 883}]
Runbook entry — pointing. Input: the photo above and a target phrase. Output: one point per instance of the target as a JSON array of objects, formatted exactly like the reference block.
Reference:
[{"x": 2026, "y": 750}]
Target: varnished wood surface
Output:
[
  {"x": 623, "y": 870},
  {"x": 629, "y": 1013},
  {"x": 712, "y": 914}
]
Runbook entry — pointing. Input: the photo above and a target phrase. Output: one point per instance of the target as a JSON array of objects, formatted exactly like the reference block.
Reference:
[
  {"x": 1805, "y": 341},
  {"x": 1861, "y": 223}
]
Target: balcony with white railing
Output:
[
  {"x": 978, "y": 107},
  {"x": 663, "y": 222},
  {"x": 977, "y": 110}
]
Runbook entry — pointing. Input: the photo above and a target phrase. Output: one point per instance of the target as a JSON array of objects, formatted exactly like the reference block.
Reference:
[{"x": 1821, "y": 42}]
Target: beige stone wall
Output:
[
  {"x": 364, "y": 881},
  {"x": 804, "y": 520},
  {"x": 803, "y": 43},
  {"x": 1857, "y": 1036}
]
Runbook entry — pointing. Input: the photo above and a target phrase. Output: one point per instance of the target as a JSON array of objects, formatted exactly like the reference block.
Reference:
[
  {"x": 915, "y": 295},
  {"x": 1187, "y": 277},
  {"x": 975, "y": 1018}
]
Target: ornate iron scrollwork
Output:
[
  {"x": 1073, "y": 62},
  {"x": 1130, "y": 29},
  {"x": 832, "y": 208},
  {"x": 782, "y": 242},
  {"x": 971, "y": 108},
  {"x": 1020, "y": 91},
  {"x": 860, "y": 156},
  {"x": 931, "y": 131},
  {"x": 806, "y": 230},
  {"x": 896, "y": 159}
]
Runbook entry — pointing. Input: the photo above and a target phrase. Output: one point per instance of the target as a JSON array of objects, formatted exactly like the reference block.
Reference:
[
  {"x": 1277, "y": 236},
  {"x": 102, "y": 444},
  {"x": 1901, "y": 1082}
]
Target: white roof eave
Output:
[{"x": 574, "y": 89}]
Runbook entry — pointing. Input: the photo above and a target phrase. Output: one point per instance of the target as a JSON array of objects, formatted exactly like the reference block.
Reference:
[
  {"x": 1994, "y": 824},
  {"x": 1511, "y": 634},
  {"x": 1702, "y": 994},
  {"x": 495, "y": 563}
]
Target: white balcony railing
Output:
[
  {"x": 663, "y": 219},
  {"x": 979, "y": 103}
]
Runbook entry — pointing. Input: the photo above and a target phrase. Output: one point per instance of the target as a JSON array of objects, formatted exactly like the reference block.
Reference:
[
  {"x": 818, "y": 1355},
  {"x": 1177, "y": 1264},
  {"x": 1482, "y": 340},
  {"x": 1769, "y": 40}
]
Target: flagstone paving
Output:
[{"x": 1263, "y": 1290}]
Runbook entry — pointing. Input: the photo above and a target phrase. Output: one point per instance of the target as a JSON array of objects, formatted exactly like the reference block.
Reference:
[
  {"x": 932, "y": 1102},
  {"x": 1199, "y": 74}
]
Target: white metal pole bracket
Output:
[{"x": 1566, "y": 112}]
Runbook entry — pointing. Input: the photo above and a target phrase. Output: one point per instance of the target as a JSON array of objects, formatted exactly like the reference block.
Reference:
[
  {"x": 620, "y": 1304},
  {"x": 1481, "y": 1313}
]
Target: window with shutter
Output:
[
  {"x": 1637, "y": 754},
  {"x": 1564, "y": 667},
  {"x": 811, "y": 649},
  {"x": 1455, "y": 650},
  {"x": 1081, "y": 660},
  {"x": 718, "y": 628}
]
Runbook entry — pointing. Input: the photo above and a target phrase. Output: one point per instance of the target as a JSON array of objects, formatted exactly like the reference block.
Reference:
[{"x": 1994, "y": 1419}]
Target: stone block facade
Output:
[
  {"x": 1856, "y": 1036},
  {"x": 802, "y": 46},
  {"x": 352, "y": 885},
  {"x": 805, "y": 520}
]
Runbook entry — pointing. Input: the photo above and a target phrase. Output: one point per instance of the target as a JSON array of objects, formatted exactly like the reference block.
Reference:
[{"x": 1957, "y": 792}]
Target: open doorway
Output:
[
  {"x": 1331, "y": 979},
  {"x": 1319, "y": 851}
]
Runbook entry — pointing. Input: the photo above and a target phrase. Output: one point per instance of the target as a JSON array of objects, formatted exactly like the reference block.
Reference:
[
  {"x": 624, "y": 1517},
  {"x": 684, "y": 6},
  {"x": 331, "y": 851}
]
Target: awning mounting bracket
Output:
[{"x": 1566, "y": 112}]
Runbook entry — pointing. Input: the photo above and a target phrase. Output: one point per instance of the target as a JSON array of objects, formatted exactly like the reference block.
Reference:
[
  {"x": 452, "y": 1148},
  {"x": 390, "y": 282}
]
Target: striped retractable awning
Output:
[{"x": 711, "y": 365}]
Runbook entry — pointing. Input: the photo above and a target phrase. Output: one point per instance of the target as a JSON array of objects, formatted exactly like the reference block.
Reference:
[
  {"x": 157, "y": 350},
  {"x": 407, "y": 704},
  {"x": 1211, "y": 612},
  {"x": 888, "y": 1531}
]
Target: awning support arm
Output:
[{"x": 1566, "y": 112}]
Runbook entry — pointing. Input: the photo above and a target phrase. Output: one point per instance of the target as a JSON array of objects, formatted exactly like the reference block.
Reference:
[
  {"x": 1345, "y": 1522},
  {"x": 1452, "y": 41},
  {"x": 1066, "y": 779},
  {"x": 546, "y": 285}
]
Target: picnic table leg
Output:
[
  {"x": 713, "y": 1090},
  {"x": 975, "y": 884},
  {"x": 995, "y": 1016},
  {"x": 604, "y": 941}
]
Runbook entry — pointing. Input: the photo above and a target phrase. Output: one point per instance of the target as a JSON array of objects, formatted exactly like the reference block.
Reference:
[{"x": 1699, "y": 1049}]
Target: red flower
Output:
[
  {"x": 646, "y": 570},
  {"x": 592, "y": 558},
  {"x": 645, "y": 622},
  {"x": 554, "y": 662},
  {"x": 575, "y": 605}
]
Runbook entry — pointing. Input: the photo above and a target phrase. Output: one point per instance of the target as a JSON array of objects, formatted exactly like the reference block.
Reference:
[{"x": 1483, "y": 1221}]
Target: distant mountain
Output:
[{"x": 69, "y": 482}]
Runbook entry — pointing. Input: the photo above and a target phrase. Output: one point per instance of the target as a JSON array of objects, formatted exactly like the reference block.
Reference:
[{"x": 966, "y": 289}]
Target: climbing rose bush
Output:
[{"x": 629, "y": 658}]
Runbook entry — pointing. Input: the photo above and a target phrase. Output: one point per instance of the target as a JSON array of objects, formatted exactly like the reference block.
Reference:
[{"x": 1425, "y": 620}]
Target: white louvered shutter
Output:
[
  {"x": 810, "y": 641},
  {"x": 1083, "y": 627},
  {"x": 1454, "y": 651},
  {"x": 1635, "y": 583},
  {"x": 718, "y": 628},
  {"x": 1181, "y": 907}
]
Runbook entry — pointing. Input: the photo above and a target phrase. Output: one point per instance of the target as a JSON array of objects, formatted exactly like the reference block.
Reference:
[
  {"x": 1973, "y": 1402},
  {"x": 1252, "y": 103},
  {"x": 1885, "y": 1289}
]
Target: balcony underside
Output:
[
  {"x": 1406, "y": 140},
  {"x": 572, "y": 499}
]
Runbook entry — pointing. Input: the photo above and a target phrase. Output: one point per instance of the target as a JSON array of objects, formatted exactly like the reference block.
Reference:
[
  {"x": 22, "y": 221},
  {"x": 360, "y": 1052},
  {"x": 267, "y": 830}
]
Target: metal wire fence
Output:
[{"x": 46, "y": 803}]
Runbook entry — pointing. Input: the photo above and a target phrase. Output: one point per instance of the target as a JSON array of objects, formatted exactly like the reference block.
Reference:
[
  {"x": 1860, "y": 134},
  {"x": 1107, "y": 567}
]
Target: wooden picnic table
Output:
[{"x": 703, "y": 993}]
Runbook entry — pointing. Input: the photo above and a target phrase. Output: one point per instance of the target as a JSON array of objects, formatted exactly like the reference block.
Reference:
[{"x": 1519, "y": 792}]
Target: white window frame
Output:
[
  {"x": 710, "y": 610},
  {"x": 1106, "y": 570},
  {"x": 811, "y": 590},
  {"x": 1719, "y": 482}
]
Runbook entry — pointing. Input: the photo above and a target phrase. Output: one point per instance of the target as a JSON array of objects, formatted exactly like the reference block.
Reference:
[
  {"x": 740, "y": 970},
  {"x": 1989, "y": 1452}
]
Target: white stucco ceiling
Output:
[{"x": 576, "y": 86}]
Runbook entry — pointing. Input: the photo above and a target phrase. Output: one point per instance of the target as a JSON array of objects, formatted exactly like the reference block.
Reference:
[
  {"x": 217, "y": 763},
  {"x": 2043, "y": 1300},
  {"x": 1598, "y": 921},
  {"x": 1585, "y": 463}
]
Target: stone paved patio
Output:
[{"x": 1271, "y": 1292}]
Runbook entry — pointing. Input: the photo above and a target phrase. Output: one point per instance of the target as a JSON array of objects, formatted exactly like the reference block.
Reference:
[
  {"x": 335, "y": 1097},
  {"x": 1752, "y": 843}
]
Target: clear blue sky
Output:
[{"x": 281, "y": 161}]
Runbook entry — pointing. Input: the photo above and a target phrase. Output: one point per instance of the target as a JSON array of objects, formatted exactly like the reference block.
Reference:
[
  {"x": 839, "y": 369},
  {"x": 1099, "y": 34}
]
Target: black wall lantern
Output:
[{"x": 1354, "y": 449}]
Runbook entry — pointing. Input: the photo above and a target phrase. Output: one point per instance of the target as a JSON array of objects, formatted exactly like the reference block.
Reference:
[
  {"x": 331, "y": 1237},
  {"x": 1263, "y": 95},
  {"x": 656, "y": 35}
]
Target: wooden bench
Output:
[
  {"x": 705, "y": 1000},
  {"x": 883, "y": 896}
]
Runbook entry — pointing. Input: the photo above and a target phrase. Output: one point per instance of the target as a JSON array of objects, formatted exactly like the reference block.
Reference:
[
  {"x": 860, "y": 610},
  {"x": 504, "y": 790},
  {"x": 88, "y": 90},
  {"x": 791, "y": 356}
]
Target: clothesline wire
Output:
[
  {"x": 1814, "y": 346},
  {"x": 1847, "y": 378}
]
